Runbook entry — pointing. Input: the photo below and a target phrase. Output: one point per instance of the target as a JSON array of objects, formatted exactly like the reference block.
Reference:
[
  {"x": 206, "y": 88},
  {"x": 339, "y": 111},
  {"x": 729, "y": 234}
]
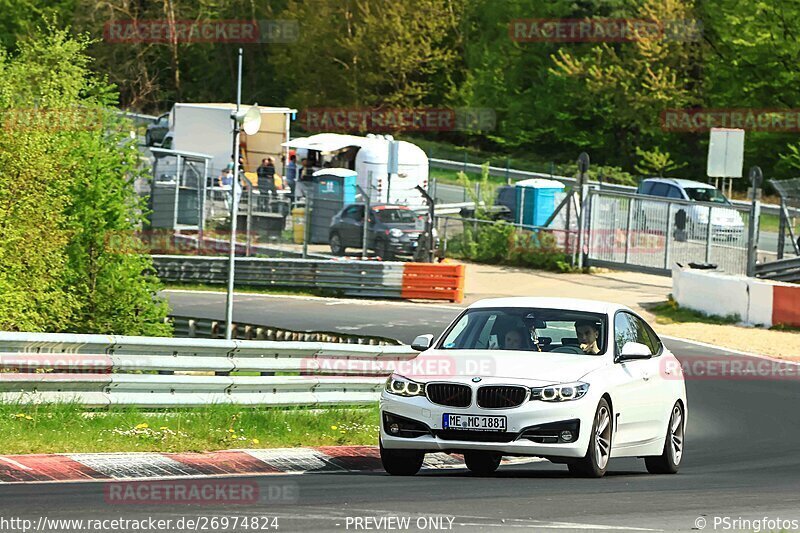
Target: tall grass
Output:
[{"x": 69, "y": 428}]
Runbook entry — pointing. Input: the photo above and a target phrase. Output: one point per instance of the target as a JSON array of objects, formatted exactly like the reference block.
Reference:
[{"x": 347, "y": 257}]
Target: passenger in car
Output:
[
  {"x": 513, "y": 340},
  {"x": 588, "y": 332}
]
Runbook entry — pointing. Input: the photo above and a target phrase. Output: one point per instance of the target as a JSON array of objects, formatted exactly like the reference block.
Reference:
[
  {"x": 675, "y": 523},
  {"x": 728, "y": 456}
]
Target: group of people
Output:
[
  {"x": 587, "y": 332},
  {"x": 270, "y": 182}
]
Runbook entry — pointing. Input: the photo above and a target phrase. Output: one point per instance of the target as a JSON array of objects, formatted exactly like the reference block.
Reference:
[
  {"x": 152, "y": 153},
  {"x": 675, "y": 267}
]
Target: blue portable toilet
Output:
[
  {"x": 536, "y": 200},
  {"x": 332, "y": 189}
]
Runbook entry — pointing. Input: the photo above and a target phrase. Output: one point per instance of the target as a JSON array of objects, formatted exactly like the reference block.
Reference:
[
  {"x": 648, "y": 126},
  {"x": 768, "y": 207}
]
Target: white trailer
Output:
[
  {"x": 369, "y": 157},
  {"x": 208, "y": 129}
]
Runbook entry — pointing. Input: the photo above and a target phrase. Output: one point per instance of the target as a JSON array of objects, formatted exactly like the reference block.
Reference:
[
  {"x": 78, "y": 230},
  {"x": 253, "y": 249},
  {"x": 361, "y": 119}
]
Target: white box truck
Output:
[
  {"x": 208, "y": 129},
  {"x": 369, "y": 157}
]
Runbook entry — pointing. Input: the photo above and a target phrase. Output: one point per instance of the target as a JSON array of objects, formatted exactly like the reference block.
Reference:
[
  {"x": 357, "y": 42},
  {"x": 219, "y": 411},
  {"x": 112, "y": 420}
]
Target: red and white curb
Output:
[{"x": 135, "y": 466}]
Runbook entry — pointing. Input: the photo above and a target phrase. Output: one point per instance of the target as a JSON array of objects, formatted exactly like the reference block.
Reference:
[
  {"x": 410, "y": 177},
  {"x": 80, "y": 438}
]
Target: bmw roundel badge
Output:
[{"x": 476, "y": 380}]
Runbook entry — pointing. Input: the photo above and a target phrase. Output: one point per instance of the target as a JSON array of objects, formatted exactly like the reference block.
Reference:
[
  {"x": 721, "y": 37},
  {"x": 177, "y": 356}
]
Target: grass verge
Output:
[
  {"x": 670, "y": 312},
  {"x": 68, "y": 428}
]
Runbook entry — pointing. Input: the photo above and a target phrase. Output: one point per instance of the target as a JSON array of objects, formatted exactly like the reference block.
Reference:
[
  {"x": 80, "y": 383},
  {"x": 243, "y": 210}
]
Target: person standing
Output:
[
  {"x": 266, "y": 176},
  {"x": 291, "y": 173}
]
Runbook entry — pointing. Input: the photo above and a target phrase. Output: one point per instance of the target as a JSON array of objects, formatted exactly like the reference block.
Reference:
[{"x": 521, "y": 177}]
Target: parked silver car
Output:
[{"x": 726, "y": 222}]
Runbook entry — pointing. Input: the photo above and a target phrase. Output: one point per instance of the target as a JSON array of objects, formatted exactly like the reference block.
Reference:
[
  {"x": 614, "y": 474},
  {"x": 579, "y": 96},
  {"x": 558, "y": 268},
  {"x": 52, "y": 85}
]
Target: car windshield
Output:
[
  {"x": 699, "y": 194},
  {"x": 528, "y": 329},
  {"x": 396, "y": 216}
]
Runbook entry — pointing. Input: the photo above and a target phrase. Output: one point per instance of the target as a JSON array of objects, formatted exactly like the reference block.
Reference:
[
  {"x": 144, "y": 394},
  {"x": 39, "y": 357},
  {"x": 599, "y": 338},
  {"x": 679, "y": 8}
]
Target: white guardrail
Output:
[{"x": 155, "y": 372}]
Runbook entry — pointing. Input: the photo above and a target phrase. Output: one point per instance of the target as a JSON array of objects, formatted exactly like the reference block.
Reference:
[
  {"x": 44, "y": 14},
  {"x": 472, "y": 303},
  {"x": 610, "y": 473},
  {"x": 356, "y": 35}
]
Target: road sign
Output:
[{"x": 725, "y": 153}]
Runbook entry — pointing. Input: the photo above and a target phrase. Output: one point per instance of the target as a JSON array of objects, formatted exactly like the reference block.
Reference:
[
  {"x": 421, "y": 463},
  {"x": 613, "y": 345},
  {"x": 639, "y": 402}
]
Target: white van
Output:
[{"x": 369, "y": 157}]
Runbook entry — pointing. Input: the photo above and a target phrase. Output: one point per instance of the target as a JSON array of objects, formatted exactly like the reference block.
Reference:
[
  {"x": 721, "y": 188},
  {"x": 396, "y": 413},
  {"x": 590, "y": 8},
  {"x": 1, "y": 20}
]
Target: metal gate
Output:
[{"x": 650, "y": 234}]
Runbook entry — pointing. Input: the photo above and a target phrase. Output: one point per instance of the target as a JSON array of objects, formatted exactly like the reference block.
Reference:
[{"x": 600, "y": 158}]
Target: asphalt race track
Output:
[{"x": 742, "y": 458}]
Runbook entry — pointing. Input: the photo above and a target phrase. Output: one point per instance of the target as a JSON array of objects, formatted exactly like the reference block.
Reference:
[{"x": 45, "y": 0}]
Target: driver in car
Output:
[{"x": 588, "y": 332}]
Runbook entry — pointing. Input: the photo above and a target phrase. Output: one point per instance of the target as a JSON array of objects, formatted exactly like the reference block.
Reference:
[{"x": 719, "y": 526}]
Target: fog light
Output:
[
  {"x": 566, "y": 436},
  {"x": 394, "y": 429}
]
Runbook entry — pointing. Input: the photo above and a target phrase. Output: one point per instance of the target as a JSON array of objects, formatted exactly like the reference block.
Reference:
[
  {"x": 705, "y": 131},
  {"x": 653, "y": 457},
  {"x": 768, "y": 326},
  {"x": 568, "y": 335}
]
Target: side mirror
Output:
[
  {"x": 632, "y": 351},
  {"x": 422, "y": 342}
]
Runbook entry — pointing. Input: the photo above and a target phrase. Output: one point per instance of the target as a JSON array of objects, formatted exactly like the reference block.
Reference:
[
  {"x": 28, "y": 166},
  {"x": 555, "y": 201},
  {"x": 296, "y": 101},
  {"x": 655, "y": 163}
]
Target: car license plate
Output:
[{"x": 474, "y": 422}]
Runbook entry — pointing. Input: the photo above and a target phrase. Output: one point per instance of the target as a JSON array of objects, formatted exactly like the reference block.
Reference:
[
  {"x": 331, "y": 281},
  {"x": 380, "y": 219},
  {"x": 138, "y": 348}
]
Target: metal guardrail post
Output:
[
  {"x": 307, "y": 228},
  {"x": 249, "y": 218},
  {"x": 755, "y": 212},
  {"x": 668, "y": 237},
  {"x": 782, "y": 222},
  {"x": 709, "y": 236},
  {"x": 365, "y": 228},
  {"x": 628, "y": 230}
]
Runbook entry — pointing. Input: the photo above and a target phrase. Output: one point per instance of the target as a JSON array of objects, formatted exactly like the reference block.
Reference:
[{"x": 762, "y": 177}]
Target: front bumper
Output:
[{"x": 520, "y": 420}]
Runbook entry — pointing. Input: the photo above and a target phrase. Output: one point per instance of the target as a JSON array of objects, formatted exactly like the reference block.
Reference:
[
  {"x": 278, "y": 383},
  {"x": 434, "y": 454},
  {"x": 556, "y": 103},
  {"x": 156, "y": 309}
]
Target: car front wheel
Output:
[
  {"x": 670, "y": 459},
  {"x": 482, "y": 463},
  {"x": 595, "y": 462},
  {"x": 336, "y": 244},
  {"x": 401, "y": 462}
]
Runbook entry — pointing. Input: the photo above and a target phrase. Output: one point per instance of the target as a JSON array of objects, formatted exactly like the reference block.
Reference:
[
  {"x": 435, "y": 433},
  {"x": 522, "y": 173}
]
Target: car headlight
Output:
[
  {"x": 562, "y": 392},
  {"x": 396, "y": 232},
  {"x": 404, "y": 387}
]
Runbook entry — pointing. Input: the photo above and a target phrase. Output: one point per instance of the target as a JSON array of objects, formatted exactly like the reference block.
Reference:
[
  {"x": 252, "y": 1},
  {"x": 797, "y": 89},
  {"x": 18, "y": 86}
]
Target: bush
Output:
[{"x": 501, "y": 244}]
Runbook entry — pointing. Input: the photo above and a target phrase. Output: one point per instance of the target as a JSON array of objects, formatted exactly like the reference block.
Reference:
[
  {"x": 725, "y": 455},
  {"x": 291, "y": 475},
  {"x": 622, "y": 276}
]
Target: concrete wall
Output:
[{"x": 756, "y": 301}]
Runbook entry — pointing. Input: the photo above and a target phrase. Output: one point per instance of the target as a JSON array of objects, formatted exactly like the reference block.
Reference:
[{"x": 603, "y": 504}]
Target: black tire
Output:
[
  {"x": 482, "y": 463},
  {"x": 670, "y": 459},
  {"x": 148, "y": 141},
  {"x": 335, "y": 242},
  {"x": 595, "y": 462},
  {"x": 401, "y": 462},
  {"x": 383, "y": 251}
]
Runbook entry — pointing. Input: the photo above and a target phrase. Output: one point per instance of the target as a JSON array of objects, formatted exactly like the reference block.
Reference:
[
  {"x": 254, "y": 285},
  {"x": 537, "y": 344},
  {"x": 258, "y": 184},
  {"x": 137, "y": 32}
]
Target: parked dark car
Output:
[
  {"x": 504, "y": 208},
  {"x": 157, "y": 131},
  {"x": 393, "y": 230}
]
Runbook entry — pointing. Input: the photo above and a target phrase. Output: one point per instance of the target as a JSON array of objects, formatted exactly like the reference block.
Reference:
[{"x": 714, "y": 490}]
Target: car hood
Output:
[{"x": 537, "y": 368}]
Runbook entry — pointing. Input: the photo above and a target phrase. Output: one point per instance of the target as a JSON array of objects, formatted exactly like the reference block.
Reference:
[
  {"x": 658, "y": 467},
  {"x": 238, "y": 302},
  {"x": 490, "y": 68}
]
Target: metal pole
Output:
[
  {"x": 628, "y": 231},
  {"x": 668, "y": 236},
  {"x": 365, "y": 229},
  {"x": 234, "y": 208},
  {"x": 307, "y": 228},
  {"x": 755, "y": 212},
  {"x": 583, "y": 166},
  {"x": 709, "y": 231},
  {"x": 249, "y": 218},
  {"x": 782, "y": 230}
]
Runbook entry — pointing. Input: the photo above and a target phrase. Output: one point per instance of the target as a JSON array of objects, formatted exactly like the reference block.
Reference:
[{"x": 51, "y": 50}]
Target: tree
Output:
[
  {"x": 656, "y": 162},
  {"x": 67, "y": 168}
]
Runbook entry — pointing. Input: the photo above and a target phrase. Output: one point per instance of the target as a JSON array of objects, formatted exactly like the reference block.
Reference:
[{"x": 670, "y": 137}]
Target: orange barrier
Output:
[
  {"x": 433, "y": 282},
  {"x": 786, "y": 305}
]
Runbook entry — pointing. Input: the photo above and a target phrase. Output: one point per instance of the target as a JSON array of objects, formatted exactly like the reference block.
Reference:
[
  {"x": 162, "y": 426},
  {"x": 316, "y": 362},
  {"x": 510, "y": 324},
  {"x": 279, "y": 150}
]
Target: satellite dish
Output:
[{"x": 249, "y": 119}]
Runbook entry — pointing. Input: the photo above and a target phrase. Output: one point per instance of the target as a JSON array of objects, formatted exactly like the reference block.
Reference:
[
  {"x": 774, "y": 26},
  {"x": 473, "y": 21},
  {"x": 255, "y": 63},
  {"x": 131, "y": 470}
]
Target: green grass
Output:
[
  {"x": 68, "y": 428},
  {"x": 670, "y": 312}
]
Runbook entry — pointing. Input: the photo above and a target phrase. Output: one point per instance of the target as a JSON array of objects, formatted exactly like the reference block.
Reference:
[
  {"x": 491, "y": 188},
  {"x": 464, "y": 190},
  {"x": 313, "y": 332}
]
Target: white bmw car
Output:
[{"x": 573, "y": 381}]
